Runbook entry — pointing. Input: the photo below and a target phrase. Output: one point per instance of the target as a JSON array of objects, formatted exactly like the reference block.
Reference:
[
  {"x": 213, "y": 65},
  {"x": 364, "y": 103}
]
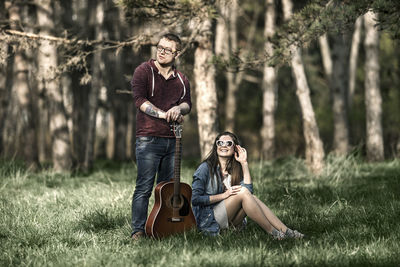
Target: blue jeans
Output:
[{"x": 154, "y": 155}]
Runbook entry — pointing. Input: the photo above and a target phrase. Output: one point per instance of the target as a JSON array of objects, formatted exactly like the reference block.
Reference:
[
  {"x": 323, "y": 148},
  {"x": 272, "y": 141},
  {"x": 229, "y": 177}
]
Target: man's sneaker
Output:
[{"x": 293, "y": 234}]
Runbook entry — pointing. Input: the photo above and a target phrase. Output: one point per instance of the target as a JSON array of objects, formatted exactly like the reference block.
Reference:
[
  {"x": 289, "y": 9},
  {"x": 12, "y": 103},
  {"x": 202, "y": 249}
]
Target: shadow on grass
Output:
[
  {"x": 356, "y": 210},
  {"x": 101, "y": 220}
]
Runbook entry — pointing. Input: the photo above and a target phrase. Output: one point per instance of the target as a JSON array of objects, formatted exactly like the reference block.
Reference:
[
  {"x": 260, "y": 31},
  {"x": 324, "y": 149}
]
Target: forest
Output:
[
  {"x": 311, "y": 87},
  {"x": 292, "y": 78}
]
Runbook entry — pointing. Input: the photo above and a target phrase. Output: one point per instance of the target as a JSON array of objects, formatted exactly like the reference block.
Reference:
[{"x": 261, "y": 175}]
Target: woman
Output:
[{"x": 222, "y": 192}]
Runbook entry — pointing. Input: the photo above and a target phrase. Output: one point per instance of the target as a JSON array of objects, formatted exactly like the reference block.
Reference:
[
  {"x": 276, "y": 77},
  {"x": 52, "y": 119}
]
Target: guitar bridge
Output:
[{"x": 175, "y": 219}]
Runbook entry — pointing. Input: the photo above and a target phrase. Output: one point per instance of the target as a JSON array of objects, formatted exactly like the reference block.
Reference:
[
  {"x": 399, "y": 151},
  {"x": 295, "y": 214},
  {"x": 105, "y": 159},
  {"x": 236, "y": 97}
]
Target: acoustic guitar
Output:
[{"x": 172, "y": 212}]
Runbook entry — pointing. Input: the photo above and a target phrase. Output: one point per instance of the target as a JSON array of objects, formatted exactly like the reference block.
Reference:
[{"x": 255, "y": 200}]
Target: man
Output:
[{"x": 162, "y": 96}]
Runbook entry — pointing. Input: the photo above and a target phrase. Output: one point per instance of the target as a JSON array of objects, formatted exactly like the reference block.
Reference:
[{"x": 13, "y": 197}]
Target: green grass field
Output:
[{"x": 350, "y": 216}]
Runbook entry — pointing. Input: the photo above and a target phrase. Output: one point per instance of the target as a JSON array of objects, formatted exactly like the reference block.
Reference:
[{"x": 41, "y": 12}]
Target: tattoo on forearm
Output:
[{"x": 151, "y": 111}]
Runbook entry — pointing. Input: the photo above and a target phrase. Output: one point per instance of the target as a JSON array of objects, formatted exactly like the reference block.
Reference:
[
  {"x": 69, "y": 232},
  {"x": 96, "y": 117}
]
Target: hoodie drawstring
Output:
[
  {"x": 184, "y": 87},
  {"x": 179, "y": 76},
  {"x": 152, "y": 87}
]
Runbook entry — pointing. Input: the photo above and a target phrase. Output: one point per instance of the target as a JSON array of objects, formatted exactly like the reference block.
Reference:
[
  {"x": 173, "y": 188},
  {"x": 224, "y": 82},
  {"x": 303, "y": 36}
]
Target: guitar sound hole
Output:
[{"x": 184, "y": 211}]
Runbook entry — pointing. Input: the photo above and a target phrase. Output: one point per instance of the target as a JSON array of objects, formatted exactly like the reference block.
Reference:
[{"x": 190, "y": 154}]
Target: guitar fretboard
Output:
[{"x": 177, "y": 167}]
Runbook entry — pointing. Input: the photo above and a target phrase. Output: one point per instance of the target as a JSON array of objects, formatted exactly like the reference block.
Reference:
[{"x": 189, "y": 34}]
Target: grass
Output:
[{"x": 349, "y": 214}]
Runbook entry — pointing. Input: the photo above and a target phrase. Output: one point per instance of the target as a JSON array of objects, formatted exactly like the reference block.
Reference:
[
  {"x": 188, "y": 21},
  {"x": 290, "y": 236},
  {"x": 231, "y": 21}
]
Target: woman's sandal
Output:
[
  {"x": 278, "y": 235},
  {"x": 293, "y": 234}
]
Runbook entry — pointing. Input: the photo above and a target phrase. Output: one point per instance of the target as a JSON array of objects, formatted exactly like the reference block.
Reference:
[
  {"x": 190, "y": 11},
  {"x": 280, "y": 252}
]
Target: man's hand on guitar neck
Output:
[
  {"x": 173, "y": 114},
  {"x": 176, "y": 113}
]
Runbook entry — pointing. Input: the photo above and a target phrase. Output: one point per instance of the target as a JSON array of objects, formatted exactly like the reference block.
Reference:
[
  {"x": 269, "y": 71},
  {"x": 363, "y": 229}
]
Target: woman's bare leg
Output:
[
  {"x": 271, "y": 216},
  {"x": 244, "y": 199}
]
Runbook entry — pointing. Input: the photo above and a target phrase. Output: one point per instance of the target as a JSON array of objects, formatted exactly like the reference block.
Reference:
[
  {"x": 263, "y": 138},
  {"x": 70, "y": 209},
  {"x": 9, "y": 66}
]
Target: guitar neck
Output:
[{"x": 177, "y": 167}]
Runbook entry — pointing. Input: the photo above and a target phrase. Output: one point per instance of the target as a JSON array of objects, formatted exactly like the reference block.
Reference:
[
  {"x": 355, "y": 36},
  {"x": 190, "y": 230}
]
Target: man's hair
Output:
[{"x": 175, "y": 38}]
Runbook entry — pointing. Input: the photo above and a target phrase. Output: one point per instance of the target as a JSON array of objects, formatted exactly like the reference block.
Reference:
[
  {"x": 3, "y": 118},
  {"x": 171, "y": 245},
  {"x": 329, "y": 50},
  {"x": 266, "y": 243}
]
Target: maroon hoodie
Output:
[{"x": 149, "y": 85}]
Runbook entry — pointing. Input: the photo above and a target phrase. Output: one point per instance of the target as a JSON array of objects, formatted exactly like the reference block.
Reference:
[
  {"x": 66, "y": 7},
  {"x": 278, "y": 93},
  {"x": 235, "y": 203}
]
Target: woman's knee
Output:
[{"x": 244, "y": 191}]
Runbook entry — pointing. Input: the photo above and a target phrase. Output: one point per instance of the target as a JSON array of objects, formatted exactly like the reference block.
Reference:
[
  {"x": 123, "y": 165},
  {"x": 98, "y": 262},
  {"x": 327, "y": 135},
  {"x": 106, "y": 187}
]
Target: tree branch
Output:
[{"x": 138, "y": 40}]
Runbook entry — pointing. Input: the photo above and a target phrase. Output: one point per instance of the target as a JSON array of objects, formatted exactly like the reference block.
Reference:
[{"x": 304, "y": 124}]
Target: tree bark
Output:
[
  {"x": 120, "y": 101},
  {"x": 225, "y": 44},
  {"x": 314, "y": 148},
  {"x": 355, "y": 44},
  {"x": 22, "y": 92},
  {"x": 269, "y": 87},
  {"x": 339, "y": 82},
  {"x": 221, "y": 30},
  {"x": 205, "y": 88},
  {"x": 102, "y": 124},
  {"x": 110, "y": 149},
  {"x": 335, "y": 67},
  {"x": 96, "y": 83},
  {"x": 65, "y": 12},
  {"x": 398, "y": 148},
  {"x": 4, "y": 90},
  {"x": 233, "y": 85},
  {"x": 47, "y": 63},
  {"x": 4, "y": 93},
  {"x": 373, "y": 99},
  {"x": 326, "y": 56}
]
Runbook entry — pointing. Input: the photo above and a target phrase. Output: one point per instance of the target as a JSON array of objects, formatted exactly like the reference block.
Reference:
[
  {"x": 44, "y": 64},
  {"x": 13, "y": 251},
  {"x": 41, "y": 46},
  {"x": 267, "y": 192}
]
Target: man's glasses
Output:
[
  {"x": 224, "y": 143},
  {"x": 166, "y": 50}
]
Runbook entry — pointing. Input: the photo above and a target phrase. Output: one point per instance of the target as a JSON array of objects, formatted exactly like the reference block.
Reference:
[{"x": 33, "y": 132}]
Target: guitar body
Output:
[{"x": 165, "y": 219}]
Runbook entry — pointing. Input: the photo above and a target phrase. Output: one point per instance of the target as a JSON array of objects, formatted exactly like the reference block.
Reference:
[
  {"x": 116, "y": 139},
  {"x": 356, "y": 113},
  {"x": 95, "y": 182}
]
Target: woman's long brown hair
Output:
[{"x": 234, "y": 168}]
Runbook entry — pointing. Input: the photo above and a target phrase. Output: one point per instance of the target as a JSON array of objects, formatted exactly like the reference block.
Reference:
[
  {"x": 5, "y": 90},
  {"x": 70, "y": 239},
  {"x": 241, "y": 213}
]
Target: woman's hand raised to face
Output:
[{"x": 241, "y": 154}]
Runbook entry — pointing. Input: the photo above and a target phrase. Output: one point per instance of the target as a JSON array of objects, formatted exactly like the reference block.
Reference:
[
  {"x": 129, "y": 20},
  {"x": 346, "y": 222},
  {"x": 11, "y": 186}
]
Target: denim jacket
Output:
[{"x": 202, "y": 189}]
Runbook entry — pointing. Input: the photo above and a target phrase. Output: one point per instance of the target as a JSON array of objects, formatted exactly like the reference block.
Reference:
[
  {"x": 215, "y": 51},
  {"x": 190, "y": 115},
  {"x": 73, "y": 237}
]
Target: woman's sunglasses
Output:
[{"x": 224, "y": 143}]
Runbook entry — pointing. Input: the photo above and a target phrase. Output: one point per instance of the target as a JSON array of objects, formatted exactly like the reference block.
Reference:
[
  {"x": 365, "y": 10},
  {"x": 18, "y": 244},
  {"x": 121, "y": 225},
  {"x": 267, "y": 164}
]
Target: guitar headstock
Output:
[{"x": 177, "y": 129}]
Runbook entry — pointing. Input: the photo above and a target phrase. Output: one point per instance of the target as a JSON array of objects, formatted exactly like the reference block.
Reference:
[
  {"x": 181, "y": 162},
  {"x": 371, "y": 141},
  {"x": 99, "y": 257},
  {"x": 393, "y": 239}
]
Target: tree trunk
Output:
[
  {"x": 21, "y": 90},
  {"x": 314, "y": 148},
  {"x": 269, "y": 87},
  {"x": 102, "y": 124},
  {"x": 355, "y": 44},
  {"x": 66, "y": 85},
  {"x": 96, "y": 82},
  {"x": 66, "y": 12},
  {"x": 335, "y": 67},
  {"x": 4, "y": 90},
  {"x": 110, "y": 149},
  {"x": 221, "y": 30},
  {"x": 5, "y": 76},
  {"x": 398, "y": 148},
  {"x": 121, "y": 126},
  {"x": 233, "y": 85},
  {"x": 373, "y": 100},
  {"x": 206, "y": 95},
  {"x": 44, "y": 138},
  {"x": 120, "y": 101},
  {"x": 131, "y": 113},
  {"x": 47, "y": 63},
  {"x": 326, "y": 56},
  {"x": 339, "y": 82},
  {"x": 225, "y": 43},
  {"x": 82, "y": 12},
  {"x": 79, "y": 119}
]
